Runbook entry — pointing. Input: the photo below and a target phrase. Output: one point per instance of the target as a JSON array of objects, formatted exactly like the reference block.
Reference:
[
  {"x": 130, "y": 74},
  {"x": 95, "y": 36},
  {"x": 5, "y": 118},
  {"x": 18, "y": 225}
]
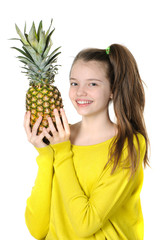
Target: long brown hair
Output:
[{"x": 128, "y": 99}]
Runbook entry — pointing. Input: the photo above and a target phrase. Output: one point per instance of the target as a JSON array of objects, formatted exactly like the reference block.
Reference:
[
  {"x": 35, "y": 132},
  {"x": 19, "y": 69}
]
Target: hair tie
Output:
[{"x": 108, "y": 50}]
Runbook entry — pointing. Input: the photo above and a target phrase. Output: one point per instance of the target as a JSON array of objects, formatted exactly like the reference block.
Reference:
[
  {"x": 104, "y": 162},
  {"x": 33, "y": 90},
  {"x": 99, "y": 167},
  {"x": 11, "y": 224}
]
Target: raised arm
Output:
[
  {"x": 37, "y": 213},
  {"x": 89, "y": 214}
]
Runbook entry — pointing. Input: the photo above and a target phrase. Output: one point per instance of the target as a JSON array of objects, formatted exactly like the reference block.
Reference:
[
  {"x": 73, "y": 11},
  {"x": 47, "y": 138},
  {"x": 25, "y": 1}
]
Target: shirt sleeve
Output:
[
  {"x": 88, "y": 214},
  {"x": 37, "y": 213}
]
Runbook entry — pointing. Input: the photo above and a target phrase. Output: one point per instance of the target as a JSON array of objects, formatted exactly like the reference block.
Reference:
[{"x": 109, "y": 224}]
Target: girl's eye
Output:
[
  {"x": 73, "y": 84},
  {"x": 93, "y": 84}
]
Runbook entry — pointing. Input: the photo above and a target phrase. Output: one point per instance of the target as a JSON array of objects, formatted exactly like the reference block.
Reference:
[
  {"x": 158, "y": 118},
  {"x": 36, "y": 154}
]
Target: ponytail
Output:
[{"x": 128, "y": 100}]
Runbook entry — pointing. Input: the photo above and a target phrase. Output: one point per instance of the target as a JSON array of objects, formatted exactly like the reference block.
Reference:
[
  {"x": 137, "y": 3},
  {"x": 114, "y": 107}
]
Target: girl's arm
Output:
[
  {"x": 89, "y": 214},
  {"x": 37, "y": 212}
]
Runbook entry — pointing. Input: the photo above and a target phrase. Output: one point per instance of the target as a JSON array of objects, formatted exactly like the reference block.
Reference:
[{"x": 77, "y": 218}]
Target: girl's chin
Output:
[{"x": 84, "y": 113}]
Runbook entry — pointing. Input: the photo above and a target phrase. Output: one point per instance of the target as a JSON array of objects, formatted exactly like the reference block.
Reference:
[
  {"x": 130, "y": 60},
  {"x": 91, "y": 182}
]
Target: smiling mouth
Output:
[{"x": 83, "y": 103}]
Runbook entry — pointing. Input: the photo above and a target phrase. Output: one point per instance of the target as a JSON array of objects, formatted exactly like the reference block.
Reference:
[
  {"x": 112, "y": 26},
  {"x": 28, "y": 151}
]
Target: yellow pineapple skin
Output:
[{"x": 41, "y": 100}]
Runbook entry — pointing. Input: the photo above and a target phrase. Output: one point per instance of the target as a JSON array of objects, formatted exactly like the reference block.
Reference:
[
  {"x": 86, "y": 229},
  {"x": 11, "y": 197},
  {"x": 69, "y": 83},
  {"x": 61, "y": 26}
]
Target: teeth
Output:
[{"x": 83, "y": 102}]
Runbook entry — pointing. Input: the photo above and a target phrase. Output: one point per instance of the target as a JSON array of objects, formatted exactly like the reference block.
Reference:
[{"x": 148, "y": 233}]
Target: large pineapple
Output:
[{"x": 40, "y": 67}]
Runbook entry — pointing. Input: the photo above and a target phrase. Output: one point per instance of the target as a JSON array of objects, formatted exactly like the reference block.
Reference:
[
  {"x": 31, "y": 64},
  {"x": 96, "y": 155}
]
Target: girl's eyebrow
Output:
[
  {"x": 71, "y": 78},
  {"x": 89, "y": 79}
]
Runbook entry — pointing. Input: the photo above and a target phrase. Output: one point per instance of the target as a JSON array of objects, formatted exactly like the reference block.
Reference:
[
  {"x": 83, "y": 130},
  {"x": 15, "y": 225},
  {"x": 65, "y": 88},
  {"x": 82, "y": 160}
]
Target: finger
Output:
[
  {"x": 65, "y": 121},
  {"x": 36, "y": 125},
  {"x": 48, "y": 129},
  {"x": 51, "y": 126},
  {"x": 24, "y": 121},
  {"x": 27, "y": 123},
  {"x": 58, "y": 121},
  {"x": 26, "y": 116},
  {"x": 46, "y": 134}
]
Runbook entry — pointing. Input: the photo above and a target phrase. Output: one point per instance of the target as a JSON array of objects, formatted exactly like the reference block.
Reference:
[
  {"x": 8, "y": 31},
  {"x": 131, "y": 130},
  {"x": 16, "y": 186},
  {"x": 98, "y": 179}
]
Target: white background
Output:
[{"x": 79, "y": 24}]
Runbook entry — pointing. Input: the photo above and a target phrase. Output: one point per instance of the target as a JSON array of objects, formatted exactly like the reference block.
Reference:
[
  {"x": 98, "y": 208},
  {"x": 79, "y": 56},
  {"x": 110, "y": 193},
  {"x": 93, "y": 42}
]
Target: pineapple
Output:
[{"x": 40, "y": 67}]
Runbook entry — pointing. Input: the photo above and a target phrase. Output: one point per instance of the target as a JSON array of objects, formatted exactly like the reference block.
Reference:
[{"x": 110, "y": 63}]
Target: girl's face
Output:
[{"x": 89, "y": 88}]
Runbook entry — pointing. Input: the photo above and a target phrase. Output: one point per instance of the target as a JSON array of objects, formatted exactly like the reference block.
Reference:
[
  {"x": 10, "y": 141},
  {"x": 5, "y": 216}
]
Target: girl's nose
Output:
[{"x": 81, "y": 91}]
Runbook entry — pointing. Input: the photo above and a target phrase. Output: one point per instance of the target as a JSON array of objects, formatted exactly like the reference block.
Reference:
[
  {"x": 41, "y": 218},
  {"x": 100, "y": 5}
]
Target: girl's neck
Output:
[
  {"x": 92, "y": 130},
  {"x": 97, "y": 126}
]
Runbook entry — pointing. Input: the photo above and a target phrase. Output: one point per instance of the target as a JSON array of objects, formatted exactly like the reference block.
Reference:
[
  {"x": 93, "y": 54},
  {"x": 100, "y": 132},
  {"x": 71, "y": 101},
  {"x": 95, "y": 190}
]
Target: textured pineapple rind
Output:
[{"x": 41, "y": 100}]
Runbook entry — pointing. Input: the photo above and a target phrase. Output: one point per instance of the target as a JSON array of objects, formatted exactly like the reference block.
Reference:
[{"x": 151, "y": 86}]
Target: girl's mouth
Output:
[{"x": 83, "y": 103}]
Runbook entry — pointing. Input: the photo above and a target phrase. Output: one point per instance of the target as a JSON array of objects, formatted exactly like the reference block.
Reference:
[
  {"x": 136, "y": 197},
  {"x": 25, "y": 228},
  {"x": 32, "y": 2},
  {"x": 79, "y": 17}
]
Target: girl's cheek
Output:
[{"x": 71, "y": 93}]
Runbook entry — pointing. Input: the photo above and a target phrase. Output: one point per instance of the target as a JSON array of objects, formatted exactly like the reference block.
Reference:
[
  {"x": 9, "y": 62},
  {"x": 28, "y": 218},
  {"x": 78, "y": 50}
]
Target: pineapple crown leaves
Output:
[{"x": 35, "y": 52}]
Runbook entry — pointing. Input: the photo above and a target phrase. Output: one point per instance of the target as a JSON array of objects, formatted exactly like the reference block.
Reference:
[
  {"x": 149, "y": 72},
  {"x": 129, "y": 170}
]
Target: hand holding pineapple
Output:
[
  {"x": 36, "y": 140},
  {"x": 62, "y": 133},
  {"x": 54, "y": 136}
]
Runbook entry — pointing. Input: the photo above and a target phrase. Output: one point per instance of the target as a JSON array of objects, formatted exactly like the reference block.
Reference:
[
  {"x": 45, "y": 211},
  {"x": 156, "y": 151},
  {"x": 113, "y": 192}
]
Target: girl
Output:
[{"x": 90, "y": 175}]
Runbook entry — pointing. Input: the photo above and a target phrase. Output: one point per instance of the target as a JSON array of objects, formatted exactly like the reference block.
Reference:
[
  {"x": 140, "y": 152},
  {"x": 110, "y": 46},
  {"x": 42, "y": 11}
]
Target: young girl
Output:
[{"x": 90, "y": 175}]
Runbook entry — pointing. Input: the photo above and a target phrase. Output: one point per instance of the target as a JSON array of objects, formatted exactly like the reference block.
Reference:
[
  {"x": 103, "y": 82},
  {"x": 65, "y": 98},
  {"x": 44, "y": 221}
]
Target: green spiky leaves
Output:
[{"x": 39, "y": 64}]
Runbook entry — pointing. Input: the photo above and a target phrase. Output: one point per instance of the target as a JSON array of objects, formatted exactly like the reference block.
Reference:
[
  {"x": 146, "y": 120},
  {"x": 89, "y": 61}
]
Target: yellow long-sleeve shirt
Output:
[{"x": 75, "y": 198}]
